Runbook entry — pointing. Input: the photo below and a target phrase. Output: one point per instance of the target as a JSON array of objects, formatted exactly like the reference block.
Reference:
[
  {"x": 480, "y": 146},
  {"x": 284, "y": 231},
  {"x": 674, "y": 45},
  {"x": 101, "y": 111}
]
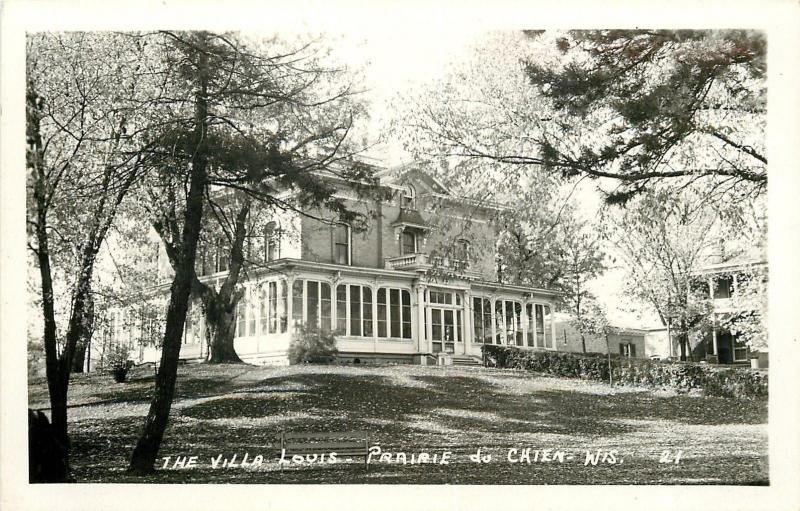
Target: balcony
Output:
[
  {"x": 409, "y": 262},
  {"x": 424, "y": 262}
]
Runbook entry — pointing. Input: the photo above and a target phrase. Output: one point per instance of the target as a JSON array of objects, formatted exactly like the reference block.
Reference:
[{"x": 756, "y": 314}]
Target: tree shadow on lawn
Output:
[
  {"x": 468, "y": 404},
  {"x": 458, "y": 411}
]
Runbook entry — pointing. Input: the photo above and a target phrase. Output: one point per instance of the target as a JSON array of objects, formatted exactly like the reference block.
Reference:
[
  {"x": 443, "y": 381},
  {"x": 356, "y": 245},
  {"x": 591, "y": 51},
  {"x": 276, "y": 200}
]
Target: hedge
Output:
[{"x": 711, "y": 380}]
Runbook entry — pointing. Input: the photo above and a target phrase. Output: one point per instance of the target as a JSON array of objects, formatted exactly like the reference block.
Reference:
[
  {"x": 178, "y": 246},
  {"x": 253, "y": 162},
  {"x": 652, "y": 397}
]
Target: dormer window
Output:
[{"x": 409, "y": 198}]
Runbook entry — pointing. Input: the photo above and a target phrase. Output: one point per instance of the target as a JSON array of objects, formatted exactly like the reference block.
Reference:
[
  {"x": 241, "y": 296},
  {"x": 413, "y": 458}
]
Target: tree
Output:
[
  {"x": 83, "y": 118},
  {"x": 750, "y": 306},
  {"x": 585, "y": 261},
  {"x": 662, "y": 239},
  {"x": 252, "y": 117},
  {"x": 652, "y": 105},
  {"x": 635, "y": 106}
]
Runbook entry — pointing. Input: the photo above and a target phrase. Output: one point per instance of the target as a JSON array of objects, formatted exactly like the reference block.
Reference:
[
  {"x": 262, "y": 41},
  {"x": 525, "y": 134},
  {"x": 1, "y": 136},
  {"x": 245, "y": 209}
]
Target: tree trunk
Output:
[
  {"x": 220, "y": 307},
  {"x": 146, "y": 450},
  {"x": 79, "y": 359},
  {"x": 222, "y": 348}
]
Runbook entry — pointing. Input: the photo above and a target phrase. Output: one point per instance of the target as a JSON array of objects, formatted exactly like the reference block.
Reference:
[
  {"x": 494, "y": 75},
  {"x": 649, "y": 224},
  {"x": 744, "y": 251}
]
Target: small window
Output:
[
  {"x": 409, "y": 198},
  {"x": 409, "y": 243},
  {"x": 739, "y": 350},
  {"x": 627, "y": 349},
  {"x": 341, "y": 244}
]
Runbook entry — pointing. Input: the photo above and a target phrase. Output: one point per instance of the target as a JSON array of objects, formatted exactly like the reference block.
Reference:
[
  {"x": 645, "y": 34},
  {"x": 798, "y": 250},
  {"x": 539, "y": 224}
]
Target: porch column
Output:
[
  {"x": 289, "y": 305},
  {"x": 494, "y": 319},
  {"x": 422, "y": 346},
  {"x": 715, "y": 341},
  {"x": 468, "y": 320},
  {"x": 374, "y": 289}
]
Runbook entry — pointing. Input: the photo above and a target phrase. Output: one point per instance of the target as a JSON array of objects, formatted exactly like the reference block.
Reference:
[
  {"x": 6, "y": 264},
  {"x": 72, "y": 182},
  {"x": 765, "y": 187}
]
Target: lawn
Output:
[{"x": 236, "y": 409}]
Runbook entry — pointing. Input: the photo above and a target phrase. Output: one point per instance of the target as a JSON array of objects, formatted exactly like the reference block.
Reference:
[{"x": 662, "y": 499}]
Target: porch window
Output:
[
  {"x": 531, "y": 324},
  {"x": 240, "y": 318},
  {"x": 477, "y": 320},
  {"x": 311, "y": 304},
  {"x": 325, "y": 308},
  {"x": 405, "y": 313},
  {"x": 540, "y": 340},
  {"x": 382, "y": 322},
  {"x": 297, "y": 304},
  {"x": 252, "y": 304},
  {"x": 518, "y": 312},
  {"x": 549, "y": 342},
  {"x": 341, "y": 244},
  {"x": 443, "y": 297},
  {"x": 341, "y": 310},
  {"x": 394, "y": 313},
  {"x": 355, "y": 310},
  {"x": 500, "y": 329}
]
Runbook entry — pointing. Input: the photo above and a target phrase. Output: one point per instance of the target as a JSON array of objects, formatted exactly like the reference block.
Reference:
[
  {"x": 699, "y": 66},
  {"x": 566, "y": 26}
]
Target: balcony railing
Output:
[
  {"x": 424, "y": 262},
  {"x": 409, "y": 262}
]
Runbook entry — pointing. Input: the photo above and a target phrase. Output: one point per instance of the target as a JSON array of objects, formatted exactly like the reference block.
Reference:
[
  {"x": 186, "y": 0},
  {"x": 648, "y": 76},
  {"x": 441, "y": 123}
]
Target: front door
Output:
[{"x": 447, "y": 330}]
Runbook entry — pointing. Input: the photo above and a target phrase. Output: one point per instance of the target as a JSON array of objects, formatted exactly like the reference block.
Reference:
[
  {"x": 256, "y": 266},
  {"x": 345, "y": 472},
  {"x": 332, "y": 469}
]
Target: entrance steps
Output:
[{"x": 465, "y": 360}]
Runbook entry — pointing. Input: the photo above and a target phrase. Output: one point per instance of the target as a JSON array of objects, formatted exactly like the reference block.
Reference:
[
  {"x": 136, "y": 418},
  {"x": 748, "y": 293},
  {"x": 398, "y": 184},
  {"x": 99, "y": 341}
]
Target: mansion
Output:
[{"x": 417, "y": 285}]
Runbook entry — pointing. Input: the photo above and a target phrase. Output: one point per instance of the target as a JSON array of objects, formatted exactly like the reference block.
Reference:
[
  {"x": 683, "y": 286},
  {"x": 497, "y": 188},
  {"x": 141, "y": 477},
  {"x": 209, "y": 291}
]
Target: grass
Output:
[{"x": 237, "y": 409}]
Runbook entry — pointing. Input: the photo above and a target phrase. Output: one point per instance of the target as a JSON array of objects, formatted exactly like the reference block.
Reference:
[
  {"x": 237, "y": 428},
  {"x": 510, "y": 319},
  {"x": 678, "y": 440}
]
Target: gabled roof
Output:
[{"x": 412, "y": 173}]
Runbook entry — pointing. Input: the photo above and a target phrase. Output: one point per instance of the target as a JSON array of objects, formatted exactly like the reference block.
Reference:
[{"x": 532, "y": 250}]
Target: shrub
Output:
[
  {"x": 310, "y": 345},
  {"x": 713, "y": 381},
  {"x": 119, "y": 363}
]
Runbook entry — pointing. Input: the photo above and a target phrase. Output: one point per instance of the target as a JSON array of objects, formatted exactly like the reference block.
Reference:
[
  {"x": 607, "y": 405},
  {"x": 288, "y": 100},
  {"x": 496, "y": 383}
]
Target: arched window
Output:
[{"x": 409, "y": 197}]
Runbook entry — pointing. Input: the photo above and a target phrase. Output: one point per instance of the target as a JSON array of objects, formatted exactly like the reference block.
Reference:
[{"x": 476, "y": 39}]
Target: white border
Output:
[{"x": 781, "y": 18}]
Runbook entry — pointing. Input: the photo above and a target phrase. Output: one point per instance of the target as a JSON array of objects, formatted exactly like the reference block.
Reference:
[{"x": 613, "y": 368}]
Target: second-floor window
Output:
[
  {"x": 723, "y": 287},
  {"x": 462, "y": 250},
  {"x": 409, "y": 243},
  {"x": 272, "y": 240},
  {"x": 341, "y": 244}
]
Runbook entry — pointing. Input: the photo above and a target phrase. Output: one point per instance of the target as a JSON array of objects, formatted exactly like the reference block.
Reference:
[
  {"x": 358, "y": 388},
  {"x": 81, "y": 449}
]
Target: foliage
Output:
[
  {"x": 310, "y": 345},
  {"x": 119, "y": 362},
  {"x": 640, "y": 107},
  {"x": 662, "y": 239},
  {"x": 749, "y": 303},
  {"x": 735, "y": 383}
]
